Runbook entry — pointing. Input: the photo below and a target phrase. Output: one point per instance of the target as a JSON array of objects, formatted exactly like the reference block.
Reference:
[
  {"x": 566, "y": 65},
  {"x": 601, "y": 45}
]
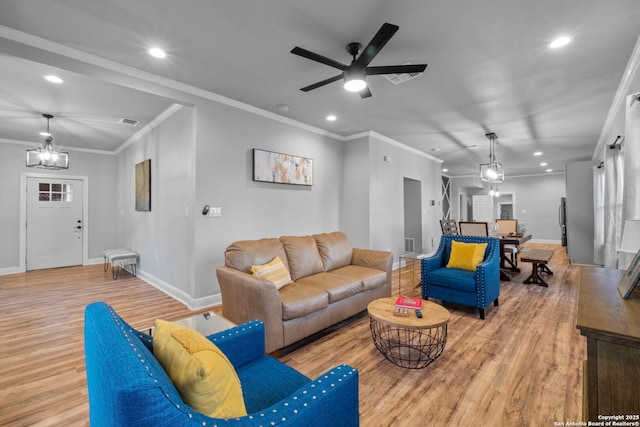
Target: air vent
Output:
[
  {"x": 396, "y": 79},
  {"x": 129, "y": 122}
]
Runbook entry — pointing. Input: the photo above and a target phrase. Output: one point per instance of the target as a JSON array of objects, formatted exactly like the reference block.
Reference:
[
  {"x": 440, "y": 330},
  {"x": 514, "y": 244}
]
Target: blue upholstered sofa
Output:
[
  {"x": 128, "y": 387},
  {"x": 472, "y": 288}
]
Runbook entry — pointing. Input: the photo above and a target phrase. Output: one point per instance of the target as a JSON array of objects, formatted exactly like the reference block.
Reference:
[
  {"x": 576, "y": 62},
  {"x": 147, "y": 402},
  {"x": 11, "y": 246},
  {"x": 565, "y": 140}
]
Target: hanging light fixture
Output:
[
  {"x": 47, "y": 156},
  {"x": 491, "y": 172}
]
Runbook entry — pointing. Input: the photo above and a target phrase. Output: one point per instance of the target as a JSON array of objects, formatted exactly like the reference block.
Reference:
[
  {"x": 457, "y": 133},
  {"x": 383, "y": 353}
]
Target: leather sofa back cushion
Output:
[
  {"x": 303, "y": 256},
  {"x": 242, "y": 255},
  {"x": 335, "y": 250}
]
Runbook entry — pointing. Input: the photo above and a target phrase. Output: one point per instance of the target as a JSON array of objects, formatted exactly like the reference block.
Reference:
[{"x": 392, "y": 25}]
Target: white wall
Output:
[
  {"x": 385, "y": 188},
  {"x": 251, "y": 210},
  {"x": 536, "y": 197},
  {"x": 164, "y": 236}
]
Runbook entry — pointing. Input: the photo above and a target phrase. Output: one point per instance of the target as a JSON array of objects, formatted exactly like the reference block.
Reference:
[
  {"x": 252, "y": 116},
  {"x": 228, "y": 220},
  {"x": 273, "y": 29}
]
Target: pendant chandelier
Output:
[
  {"x": 47, "y": 156},
  {"x": 491, "y": 172}
]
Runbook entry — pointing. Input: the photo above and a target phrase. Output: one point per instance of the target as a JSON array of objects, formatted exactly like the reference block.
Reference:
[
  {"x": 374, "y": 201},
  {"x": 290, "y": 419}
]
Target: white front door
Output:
[{"x": 54, "y": 222}]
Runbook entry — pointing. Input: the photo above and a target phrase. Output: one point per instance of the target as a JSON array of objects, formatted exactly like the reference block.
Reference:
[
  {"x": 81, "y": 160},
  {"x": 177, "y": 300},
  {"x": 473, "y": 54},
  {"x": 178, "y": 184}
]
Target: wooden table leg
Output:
[{"x": 535, "y": 277}]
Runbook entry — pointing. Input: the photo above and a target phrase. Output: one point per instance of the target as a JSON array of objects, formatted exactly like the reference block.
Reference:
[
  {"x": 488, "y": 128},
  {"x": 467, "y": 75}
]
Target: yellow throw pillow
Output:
[
  {"x": 466, "y": 256},
  {"x": 201, "y": 373},
  {"x": 273, "y": 271}
]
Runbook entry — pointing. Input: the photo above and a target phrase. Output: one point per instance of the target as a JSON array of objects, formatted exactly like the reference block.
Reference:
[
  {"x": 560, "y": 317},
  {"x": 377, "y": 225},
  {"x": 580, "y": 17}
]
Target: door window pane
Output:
[{"x": 50, "y": 192}]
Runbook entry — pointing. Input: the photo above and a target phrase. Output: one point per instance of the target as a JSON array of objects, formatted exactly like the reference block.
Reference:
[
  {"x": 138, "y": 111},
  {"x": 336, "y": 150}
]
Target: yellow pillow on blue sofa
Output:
[
  {"x": 466, "y": 256},
  {"x": 201, "y": 373}
]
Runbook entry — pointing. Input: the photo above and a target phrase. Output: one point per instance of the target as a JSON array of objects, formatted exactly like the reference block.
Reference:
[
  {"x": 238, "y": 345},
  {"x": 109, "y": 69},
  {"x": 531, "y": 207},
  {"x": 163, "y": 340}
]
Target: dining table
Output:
[{"x": 506, "y": 264}]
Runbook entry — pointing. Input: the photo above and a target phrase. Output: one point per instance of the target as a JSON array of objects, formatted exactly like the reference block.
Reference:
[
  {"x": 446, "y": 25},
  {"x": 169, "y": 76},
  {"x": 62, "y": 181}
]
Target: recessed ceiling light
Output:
[
  {"x": 549, "y": 170},
  {"x": 473, "y": 147},
  {"x": 331, "y": 118},
  {"x": 53, "y": 79},
  {"x": 543, "y": 164},
  {"x": 434, "y": 149},
  {"x": 156, "y": 52},
  {"x": 283, "y": 107},
  {"x": 445, "y": 170},
  {"x": 538, "y": 153},
  {"x": 559, "y": 42}
]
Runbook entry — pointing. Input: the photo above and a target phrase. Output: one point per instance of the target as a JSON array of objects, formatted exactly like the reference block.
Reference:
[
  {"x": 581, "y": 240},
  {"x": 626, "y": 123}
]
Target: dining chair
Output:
[
  {"x": 507, "y": 226},
  {"x": 449, "y": 227},
  {"x": 468, "y": 228}
]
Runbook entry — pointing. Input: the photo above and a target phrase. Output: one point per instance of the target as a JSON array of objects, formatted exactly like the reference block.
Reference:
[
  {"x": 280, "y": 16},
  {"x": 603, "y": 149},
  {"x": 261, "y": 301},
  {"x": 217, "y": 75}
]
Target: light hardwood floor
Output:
[{"x": 522, "y": 366}]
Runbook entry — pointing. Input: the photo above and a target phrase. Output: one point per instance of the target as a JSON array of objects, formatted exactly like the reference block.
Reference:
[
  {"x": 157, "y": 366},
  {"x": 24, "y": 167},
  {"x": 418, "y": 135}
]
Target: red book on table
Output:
[{"x": 408, "y": 302}]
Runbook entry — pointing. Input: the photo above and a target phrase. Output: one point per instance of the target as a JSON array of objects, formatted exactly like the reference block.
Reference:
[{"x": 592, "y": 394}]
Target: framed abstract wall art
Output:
[
  {"x": 269, "y": 166},
  {"x": 143, "y": 186}
]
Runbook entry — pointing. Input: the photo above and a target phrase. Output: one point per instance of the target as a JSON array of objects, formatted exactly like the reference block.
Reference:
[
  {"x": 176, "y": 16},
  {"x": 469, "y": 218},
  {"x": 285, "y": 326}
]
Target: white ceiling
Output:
[{"x": 489, "y": 69}]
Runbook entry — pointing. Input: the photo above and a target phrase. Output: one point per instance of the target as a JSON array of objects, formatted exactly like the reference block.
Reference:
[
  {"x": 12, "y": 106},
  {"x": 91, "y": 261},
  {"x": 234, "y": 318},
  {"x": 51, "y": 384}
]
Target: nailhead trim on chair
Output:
[
  {"x": 493, "y": 249},
  {"x": 275, "y": 417}
]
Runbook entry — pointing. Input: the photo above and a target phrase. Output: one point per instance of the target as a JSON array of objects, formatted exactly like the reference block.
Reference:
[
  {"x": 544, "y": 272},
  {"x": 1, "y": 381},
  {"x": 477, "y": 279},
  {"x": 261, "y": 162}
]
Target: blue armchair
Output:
[
  {"x": 129, "y": 387},
  {"x": 473, "y": 288}
]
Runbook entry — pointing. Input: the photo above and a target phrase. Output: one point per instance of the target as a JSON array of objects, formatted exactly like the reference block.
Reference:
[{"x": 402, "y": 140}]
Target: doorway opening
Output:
[{"x": 412, "y": 215}]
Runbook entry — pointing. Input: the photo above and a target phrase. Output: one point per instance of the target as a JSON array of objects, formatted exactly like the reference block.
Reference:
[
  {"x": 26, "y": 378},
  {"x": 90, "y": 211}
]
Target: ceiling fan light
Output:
[{"x": 355, "y": 85}]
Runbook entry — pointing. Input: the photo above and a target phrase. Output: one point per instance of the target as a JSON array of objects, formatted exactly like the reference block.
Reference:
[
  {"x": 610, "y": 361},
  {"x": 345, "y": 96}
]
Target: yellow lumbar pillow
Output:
[
  {"x": 201, "y": 373},
  {"x": 466, "y": 256},
  {"x": 273, "y": 271}
]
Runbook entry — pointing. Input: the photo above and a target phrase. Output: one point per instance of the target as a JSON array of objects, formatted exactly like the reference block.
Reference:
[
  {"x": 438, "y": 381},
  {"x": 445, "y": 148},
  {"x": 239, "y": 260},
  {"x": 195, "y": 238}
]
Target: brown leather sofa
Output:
[{"x": 331, "y": 282}]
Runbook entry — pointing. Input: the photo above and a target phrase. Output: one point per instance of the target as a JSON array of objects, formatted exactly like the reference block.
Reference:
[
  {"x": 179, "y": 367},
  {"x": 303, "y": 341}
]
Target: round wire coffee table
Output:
[{"x": 408, "y": 342}]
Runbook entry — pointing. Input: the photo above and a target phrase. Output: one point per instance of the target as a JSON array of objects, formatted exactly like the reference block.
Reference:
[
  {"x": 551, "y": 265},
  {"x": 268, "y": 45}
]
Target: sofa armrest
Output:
[
  {"x": 373, "y": 259},
  {"x": 246, "y": 297},
  {"x": 241, "y": 344}
]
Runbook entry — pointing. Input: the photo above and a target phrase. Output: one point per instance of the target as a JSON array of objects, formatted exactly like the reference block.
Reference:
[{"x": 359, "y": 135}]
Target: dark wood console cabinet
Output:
[{"x": 612, "y": 327}]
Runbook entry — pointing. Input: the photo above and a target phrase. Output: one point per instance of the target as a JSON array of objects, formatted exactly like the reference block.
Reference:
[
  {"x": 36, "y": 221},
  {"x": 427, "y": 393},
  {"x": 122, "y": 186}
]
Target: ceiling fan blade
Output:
[
  {"x": 365, "y": 93},
  {"x": 376, "y": 44},
  {"x": 318, "y": 58},
  {"x": 395, "y": 69},
  {"x": 322, "y": 83}
]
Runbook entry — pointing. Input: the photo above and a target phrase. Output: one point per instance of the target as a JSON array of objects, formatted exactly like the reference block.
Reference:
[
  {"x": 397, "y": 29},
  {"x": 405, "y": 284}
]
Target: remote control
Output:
[{"x": 418, "y": 314}]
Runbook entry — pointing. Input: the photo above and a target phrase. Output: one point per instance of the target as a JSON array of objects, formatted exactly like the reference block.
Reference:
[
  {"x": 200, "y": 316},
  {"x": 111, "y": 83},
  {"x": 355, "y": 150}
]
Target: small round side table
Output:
[{"x": 408, "y": 342}]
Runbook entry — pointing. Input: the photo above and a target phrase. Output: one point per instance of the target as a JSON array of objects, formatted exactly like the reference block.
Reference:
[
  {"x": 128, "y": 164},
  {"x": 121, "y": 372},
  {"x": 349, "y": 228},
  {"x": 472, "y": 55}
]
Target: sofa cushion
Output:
[
  {"x": 244, "y": 254},
  {"x": 302, "y": 255},
  {"x": 273, "y": 271},
  {"x": 203, "y": 375},
  {"x": 466, "y": 256},
  {"x": 300, "y": 300},
  {"x": 371, "y": 278},
  {"x": 335, "y": 249},
  {"x": 337, "y": 286},
  {"x": 463, "y": 280}
]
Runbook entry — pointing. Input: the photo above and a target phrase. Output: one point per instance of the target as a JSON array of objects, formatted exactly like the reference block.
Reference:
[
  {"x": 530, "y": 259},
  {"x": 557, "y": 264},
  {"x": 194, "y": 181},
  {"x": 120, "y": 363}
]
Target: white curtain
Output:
[
  {"x": 598, "y": 214},
  {"x": 613, "y": 196},
  {"x": 631, "y": 153}
]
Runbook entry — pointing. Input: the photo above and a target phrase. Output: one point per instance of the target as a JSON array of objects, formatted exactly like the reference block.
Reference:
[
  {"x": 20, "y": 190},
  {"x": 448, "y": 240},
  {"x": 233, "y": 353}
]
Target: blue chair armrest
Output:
[
  {"x": 241, "y": 344},
  {"x": 329, "y": 400}
]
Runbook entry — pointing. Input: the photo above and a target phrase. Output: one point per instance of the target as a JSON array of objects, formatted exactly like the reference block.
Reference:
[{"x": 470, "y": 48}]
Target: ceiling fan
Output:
[{"x": 354, "y": 75}]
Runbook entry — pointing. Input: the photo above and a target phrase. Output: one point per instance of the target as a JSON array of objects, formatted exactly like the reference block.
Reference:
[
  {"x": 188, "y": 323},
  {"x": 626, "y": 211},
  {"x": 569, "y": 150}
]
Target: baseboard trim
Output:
[{"x": 180, "y": 295}]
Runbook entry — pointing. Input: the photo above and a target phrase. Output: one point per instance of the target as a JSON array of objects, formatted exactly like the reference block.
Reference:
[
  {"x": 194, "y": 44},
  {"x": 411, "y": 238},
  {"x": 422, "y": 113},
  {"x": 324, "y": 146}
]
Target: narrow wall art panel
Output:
[
  {"x": 279, "y": 168},
  {"x": 143, "y": 186}
]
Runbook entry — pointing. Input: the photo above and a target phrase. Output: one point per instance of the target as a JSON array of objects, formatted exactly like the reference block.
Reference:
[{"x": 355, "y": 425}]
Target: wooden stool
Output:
[{"x": 539, "y": 258}]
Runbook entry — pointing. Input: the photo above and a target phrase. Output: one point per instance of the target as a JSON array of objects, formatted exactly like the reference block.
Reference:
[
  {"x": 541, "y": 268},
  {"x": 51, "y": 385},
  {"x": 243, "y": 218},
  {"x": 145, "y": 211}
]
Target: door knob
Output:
[{"x": 79, "y": 227}]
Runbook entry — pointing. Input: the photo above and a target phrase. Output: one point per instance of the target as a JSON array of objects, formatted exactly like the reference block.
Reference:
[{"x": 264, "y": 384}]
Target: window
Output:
[{"x": 51, "y": 192}]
